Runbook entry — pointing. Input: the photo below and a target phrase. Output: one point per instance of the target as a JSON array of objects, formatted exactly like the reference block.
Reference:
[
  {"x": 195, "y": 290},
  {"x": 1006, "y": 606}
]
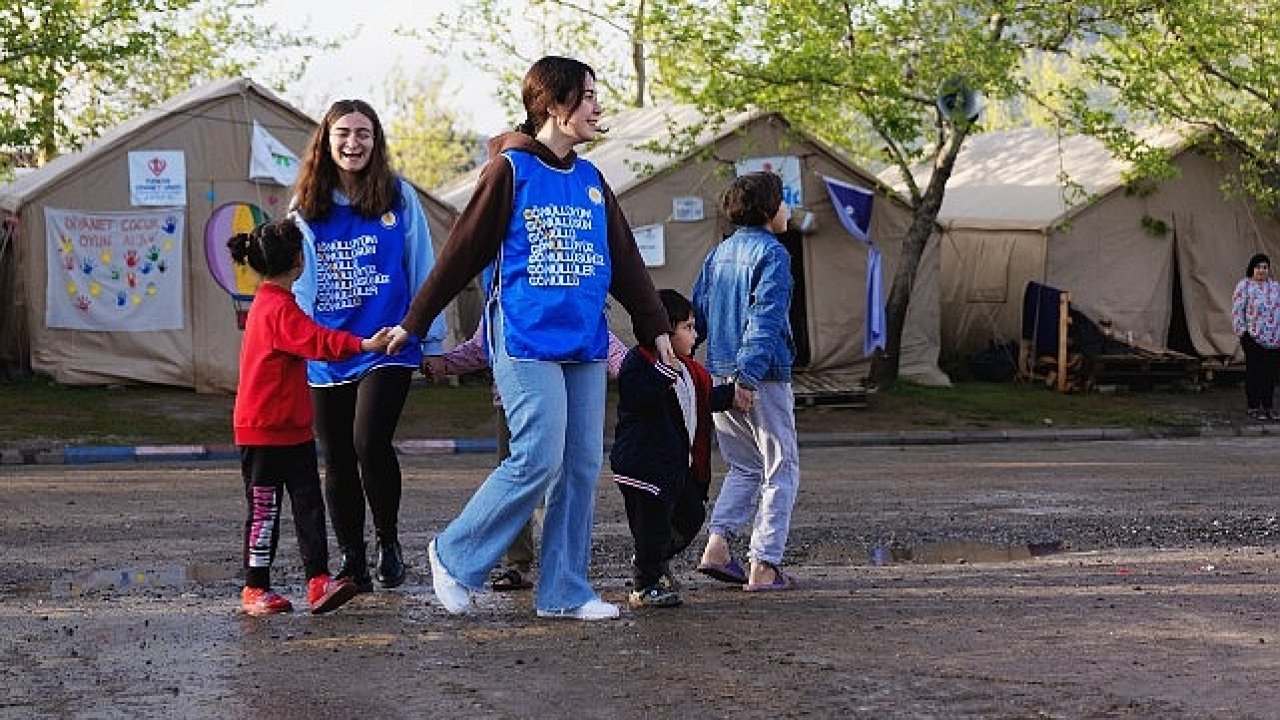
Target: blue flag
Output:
[{"x": 853, "y": 207}]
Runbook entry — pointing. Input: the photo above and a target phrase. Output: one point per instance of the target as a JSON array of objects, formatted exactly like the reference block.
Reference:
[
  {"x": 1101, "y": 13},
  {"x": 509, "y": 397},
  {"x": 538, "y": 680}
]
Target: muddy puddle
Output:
[
  {"x": 954, "y": 552},
  {"x": 130, "y": 578}
]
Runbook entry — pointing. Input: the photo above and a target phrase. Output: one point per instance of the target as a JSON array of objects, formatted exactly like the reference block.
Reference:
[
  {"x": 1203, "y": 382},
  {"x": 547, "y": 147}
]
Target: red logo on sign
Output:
[{"x": 157, "y": 166}]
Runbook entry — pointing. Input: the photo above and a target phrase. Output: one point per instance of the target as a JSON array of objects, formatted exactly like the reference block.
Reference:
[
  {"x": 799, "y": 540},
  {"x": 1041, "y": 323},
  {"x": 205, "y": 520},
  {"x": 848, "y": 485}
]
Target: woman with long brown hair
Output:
[{"x": 366, "y": 247}]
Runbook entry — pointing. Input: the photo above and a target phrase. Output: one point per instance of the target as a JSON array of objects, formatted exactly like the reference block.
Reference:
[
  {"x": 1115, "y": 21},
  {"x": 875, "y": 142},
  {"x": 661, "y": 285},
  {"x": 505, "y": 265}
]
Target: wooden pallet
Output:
[
  {"x": 1144, "y": 371},
  {"x": 828, "y": 390}
]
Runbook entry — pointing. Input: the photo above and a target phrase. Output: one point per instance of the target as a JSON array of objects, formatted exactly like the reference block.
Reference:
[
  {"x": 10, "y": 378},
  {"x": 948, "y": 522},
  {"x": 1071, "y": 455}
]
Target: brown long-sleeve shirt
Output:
[{"x": 477, "y": 237}]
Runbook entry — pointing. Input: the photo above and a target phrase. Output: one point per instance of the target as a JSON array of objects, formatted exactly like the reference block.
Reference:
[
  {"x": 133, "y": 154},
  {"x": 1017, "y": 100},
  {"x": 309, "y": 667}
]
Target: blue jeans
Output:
[
  {"x": 556, "y": 415},
  {"x": 764, "y": 471}
]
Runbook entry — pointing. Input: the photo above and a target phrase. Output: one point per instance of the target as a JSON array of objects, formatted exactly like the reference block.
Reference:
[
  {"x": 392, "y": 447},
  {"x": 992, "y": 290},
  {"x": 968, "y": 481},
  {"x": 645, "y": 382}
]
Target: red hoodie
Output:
[{"x": 273, "y": 404}]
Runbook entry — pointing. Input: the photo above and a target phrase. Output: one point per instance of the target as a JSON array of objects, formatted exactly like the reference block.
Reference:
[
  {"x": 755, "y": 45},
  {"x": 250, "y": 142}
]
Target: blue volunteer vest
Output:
[
  {"x": 362, "y": 284},
  {"x": 554, "y": 269}
]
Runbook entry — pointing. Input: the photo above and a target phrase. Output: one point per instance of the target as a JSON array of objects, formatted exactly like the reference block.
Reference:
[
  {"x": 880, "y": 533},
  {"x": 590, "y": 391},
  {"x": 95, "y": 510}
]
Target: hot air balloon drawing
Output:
[{"x": 240, "y": 282}]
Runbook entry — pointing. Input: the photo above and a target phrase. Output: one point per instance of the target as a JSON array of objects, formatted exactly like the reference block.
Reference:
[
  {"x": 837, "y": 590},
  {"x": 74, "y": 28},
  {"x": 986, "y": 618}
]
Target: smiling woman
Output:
[
  {"x": 548, "y": 339},
  {"x": 366, "y": 248}
]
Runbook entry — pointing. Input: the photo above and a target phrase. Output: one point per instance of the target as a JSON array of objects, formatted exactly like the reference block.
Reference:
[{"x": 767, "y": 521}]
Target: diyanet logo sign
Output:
[{"x": 157, "y": 178}]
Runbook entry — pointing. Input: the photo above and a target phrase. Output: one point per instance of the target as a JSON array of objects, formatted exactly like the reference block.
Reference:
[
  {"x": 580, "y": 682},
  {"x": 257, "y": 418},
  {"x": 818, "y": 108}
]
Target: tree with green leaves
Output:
[
  {"x": 46, "y": 45},
  {"x": 428, "y": 141},
  {"x": 1208, "y": 66},
  {"x": 894, "y": 81},
  {"x": 71, "y": 68},
  {"x": 504, "y": 37}
]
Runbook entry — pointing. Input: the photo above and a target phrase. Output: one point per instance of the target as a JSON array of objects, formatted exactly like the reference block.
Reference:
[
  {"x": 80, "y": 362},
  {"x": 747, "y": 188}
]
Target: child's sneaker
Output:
[
  {"x": 326, "y": 595},
  {"x": 263, "y": 601},
  {"x": 654, "y": 596}
]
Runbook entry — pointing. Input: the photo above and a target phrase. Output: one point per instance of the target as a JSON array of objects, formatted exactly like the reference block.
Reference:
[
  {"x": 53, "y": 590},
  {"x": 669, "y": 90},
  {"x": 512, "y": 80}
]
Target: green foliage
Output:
[
  {"x": 428, "y": 141},
  {"x": 1207, "y": 66},
  {"x": 866, "y": 75},
  {"x": 71, "y": 68},
  {"x": 43, "y": 44},
  {"x": 504, "y": 37}
]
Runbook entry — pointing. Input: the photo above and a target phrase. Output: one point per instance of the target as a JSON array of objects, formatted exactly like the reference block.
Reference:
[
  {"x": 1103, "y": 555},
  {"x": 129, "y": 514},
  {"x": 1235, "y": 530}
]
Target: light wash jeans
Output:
[
  {"x": 764, "y": 471},
  {"x": 556, "y": 415}
]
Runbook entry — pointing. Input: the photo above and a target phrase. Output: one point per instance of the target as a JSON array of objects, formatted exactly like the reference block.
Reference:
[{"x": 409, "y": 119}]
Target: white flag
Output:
[{"x": 271, "y": 160}]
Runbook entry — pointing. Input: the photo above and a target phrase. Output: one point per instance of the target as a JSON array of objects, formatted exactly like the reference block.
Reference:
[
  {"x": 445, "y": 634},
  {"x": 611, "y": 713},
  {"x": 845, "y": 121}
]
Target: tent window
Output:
[{"x": 989, "y": 271}]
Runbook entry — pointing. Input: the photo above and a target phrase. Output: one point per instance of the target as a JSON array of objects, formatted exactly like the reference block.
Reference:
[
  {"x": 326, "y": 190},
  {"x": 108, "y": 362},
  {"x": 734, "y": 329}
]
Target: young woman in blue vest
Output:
[
  {"x": 549, "y": 221},
  {"x": 366, "y": 248}
]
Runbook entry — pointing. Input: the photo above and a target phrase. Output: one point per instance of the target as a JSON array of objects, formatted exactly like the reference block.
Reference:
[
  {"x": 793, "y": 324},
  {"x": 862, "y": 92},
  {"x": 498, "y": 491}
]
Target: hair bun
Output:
[{"x": 238, "y": 244}]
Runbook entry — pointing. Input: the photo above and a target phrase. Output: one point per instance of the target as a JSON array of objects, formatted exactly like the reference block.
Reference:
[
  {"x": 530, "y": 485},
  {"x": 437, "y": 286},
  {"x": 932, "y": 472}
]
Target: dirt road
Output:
[{"x": 1062, "y": 580}]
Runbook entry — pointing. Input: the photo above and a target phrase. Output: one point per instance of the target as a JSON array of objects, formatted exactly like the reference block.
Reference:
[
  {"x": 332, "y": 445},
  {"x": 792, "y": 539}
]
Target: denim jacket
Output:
[{"x": 742, "y": 303}]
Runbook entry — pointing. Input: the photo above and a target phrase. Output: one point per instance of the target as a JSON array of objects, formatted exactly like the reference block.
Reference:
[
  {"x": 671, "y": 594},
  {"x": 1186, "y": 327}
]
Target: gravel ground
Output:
[{"x": 1053, "y": 580}]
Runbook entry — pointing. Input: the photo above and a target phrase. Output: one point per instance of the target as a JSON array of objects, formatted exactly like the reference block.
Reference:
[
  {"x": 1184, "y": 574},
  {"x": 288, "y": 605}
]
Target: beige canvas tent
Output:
[
  {"x": 1158, "y": 266},
  {"x": 196, "y": 342},
  {"x": 673, "y": 205}
]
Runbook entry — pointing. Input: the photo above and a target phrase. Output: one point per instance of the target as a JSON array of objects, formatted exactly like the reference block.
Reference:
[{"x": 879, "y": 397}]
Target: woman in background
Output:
[{"x": 1255, "y": 318}]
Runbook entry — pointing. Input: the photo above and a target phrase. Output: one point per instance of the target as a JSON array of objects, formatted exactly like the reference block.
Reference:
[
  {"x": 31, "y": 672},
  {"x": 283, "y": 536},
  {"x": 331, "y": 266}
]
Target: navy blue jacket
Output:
[{"x": 651, "y": 448}]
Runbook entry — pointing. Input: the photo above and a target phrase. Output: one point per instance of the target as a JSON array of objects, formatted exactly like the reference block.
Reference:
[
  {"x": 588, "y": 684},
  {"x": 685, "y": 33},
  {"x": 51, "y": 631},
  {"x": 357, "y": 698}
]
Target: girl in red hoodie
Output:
[{"x": 273, "y": 421}]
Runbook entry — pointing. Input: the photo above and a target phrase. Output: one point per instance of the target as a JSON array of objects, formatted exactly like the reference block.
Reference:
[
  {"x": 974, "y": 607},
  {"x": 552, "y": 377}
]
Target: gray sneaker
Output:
[{"x": 654, "y": 596}]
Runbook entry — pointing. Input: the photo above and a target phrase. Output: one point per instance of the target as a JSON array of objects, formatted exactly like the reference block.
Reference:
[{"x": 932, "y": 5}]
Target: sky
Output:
[{"x": 370, "y": 53}]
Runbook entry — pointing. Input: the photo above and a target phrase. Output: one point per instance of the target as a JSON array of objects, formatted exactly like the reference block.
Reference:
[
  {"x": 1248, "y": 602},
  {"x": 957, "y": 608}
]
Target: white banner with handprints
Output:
[
  {"x": 114, "y": 271},
  {"x": 157, "y": 177}
]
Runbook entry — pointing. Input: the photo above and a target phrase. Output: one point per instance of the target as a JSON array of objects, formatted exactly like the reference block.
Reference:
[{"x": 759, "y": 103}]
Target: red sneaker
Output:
[
  {"x": 263, "y": 601},
  {"x": 326, "y": 595}
]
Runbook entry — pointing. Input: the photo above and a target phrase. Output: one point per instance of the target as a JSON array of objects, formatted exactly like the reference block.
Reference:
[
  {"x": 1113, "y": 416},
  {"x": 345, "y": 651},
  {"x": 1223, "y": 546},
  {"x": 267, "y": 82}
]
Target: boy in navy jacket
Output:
[{"x": 661, "y": 456}]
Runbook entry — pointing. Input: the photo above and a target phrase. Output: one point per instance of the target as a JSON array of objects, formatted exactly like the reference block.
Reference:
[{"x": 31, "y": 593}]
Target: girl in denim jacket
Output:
[{"x": 742, "y": 299}]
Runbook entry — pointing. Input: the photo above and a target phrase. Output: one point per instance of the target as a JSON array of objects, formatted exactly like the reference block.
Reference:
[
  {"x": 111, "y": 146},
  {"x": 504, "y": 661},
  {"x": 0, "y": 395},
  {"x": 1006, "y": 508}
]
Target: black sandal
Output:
[{"x": 509, "y": 580}]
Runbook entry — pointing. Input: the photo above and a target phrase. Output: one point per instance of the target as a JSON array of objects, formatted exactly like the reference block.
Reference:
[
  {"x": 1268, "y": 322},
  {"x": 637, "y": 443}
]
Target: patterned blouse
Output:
[{"x": 1255, "y": 309}]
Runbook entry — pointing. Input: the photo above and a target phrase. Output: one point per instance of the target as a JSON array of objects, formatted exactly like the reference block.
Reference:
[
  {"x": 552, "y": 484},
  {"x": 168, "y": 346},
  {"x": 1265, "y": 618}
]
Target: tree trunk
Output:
[
  {"x": 637, "y": 55},
  {"x": 924, "y": 217},
  {"x": 45, "y": 111}
]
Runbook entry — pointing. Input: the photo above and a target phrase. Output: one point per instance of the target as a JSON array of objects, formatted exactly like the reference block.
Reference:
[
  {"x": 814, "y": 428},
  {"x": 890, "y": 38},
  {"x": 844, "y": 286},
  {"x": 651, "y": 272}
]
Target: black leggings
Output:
[
  {"x": 269, "y": 472},
  {"x": 356, "y": 423},
  {"x": 1260, "y": 369}
]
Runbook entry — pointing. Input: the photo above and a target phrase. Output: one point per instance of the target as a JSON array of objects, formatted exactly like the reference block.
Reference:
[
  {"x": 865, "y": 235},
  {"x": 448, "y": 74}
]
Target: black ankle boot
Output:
[
  {"x": 390, "y": 563},
  {"x": 355, "y": 565}
]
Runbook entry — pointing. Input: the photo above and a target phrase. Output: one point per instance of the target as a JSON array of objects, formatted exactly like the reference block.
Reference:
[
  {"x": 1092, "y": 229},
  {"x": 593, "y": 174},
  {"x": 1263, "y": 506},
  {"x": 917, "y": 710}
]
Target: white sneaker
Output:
[
  {"x": 593, "y": 609},
  {"x": 451, "y": 593}
]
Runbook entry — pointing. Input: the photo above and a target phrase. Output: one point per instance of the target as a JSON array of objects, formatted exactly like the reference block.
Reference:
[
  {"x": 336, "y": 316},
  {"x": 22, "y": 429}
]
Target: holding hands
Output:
[
  {"x": 665, "y": 353},
  {"x": 377, "y": 342},
  {"x": 399, "y": 338},
  {"x": 393, "y": 339}
]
